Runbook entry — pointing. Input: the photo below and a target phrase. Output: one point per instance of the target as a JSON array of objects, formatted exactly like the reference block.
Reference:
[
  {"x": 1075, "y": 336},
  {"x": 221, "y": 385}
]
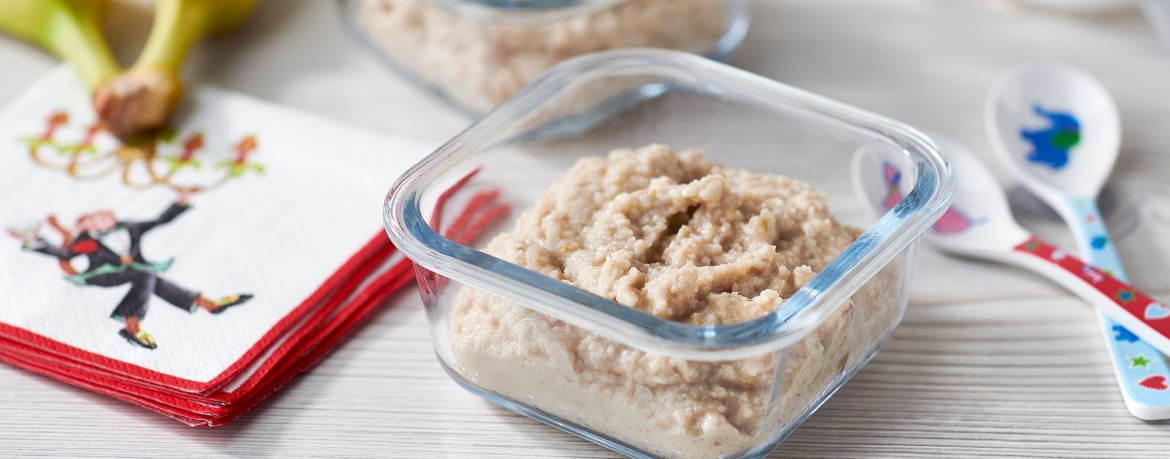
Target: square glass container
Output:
[
  {"x": 477, "y": 53},
  {"x": 627, "y": 380}
]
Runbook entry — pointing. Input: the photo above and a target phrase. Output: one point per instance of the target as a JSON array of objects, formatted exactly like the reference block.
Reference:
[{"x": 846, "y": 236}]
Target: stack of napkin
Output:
[{"x": 196, "y": 271}]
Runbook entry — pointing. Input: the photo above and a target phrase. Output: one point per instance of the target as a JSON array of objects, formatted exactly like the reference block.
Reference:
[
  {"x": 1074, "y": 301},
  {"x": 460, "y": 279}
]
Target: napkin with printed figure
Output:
[{"x": 195, "y": 270}]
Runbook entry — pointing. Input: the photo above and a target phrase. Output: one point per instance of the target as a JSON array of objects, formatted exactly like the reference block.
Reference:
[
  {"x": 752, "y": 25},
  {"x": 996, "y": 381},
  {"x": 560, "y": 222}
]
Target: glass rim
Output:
[
  {"x": 541, "y": 12},
  {"x": 524, "y": 12},
  {"x": 800, "y": 314}
]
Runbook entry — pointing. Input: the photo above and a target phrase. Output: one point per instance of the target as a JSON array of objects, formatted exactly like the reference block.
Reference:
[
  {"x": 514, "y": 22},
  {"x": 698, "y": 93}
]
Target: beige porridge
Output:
[
  {"x": 685, "y": 239},
  {"x": 479, "y": 65}
]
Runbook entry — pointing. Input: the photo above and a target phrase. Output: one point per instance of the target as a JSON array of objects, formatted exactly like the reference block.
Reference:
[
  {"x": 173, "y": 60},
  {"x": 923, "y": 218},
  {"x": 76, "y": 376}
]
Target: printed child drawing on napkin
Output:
[
  {"x": 112, "y": 247},
  {"x": 212, "y": 243}
]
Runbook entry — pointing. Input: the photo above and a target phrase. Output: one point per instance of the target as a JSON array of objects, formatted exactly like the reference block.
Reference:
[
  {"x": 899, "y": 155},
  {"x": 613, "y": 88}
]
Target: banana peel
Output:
[
  {"x": 142, "y": 97},
  {"x": 70, "y": 29}
]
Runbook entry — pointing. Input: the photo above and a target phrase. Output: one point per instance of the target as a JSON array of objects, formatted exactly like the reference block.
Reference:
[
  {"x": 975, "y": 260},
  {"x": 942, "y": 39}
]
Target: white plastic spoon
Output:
[
  {"x": 979, "y": 224},
  {"x": 1057, "y": 131}
]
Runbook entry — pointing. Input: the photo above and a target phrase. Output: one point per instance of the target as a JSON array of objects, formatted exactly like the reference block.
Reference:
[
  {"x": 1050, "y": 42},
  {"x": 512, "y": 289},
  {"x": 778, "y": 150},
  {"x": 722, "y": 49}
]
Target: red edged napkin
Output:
[{"x": 197, "y": 271}]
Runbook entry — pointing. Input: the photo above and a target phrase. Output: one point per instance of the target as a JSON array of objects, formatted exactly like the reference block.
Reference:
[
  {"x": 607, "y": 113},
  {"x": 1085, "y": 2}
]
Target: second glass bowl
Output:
[{"x": 477, "y": 53}]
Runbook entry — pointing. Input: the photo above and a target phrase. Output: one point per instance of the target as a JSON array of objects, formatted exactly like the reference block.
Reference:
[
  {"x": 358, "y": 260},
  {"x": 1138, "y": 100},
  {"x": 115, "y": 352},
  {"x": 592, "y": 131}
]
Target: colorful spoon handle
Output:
[
  {"x": 1097, "y": 247},
  {"x": 1136, "y": 312}
]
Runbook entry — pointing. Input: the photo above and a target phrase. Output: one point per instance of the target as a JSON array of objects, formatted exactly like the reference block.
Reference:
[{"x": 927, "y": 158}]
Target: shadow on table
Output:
[
  {"x": 255, "y": 60},
  {"x": 271, "y": 423}
]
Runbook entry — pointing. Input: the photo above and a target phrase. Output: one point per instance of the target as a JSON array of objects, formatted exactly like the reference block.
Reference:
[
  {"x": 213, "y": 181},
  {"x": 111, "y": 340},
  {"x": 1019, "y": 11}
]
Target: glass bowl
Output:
[
  {"x": 477, "y": 53},
  {"x": 671, "y": 390}
]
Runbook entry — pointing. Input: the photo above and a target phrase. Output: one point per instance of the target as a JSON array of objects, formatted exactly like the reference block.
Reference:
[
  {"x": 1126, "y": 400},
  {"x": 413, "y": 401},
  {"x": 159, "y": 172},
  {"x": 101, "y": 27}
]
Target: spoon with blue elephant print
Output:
[
  {"x": 1057, "y": 131},
  {"x": 979, "y": 224}
]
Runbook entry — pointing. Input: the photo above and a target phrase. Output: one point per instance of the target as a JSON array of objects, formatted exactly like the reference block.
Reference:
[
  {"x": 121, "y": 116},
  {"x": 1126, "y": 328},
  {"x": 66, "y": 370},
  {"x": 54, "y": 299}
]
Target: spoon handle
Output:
[
  {"x": 1096, "y": 245},
  {"x": 1135, "y": 311},
  {"x": 1093, "y": 240}
]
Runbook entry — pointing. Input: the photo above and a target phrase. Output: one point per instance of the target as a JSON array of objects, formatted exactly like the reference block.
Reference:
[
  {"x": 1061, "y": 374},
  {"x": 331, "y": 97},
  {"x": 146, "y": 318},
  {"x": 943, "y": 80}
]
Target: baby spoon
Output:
[
  {"x": 979, "y": 224},
  {"x": 1057, "y": 131}
]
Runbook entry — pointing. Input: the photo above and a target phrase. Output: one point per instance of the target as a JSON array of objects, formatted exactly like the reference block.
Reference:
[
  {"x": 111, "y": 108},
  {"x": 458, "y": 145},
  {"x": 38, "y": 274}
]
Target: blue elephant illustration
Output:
[{"x": 1051, "y": 145}]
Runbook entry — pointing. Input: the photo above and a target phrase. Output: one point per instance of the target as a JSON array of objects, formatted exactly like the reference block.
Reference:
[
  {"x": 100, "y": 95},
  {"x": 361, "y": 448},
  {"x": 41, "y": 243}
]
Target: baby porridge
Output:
[{"x": 685, "y": 239}]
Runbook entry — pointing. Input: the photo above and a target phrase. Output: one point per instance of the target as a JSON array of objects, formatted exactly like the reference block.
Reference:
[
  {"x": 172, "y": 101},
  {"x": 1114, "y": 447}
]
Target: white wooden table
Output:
[{"x": 970, "y": 372}]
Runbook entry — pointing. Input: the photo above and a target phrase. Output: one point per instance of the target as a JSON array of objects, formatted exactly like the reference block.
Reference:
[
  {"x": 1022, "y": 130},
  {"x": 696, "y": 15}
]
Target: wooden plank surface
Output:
[{"x": 970, "y": 373}]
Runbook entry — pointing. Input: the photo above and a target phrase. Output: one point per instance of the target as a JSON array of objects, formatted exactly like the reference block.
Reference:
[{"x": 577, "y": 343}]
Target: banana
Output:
[
  {"x": 70, "y": 29},
  {"x": 143, "y": 97}
]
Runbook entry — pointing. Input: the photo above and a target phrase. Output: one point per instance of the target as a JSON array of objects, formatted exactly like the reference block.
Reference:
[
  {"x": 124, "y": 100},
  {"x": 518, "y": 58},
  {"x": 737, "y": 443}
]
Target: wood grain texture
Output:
[{"x": 971, "y": 372}]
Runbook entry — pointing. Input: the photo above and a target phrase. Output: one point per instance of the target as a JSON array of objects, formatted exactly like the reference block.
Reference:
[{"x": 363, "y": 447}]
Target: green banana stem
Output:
[
  {"x": 178, "y": 26},
  {"x": 86, "y": 49},
  {"x": 143, "y": 97},
  {"x": 70, "y": 29}
]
